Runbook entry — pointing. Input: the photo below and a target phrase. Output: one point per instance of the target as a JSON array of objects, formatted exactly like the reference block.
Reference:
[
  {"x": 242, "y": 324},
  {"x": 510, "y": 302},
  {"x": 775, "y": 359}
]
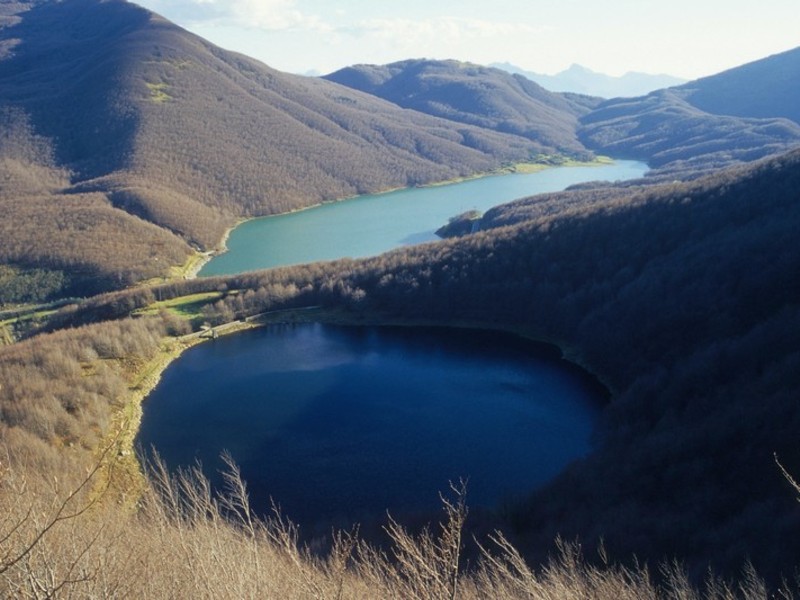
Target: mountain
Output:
[
  {"x": 664, "y": 129},
  {"x": 580, "y": 80},
  {"x": 124, "y": 140},
  {"x": 677, "y": 138},
  {"x": 764, "y": 88},
  {"x": 682, "y": 298},
  {"x": 736, "y": 116},
  {"x": 127, "y": 142},
  {"x": 477, "y": 95}
]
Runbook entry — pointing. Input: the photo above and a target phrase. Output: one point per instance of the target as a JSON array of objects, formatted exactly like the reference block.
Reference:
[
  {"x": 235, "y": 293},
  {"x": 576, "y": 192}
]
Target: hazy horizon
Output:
[{"x": 683, "y": 39}]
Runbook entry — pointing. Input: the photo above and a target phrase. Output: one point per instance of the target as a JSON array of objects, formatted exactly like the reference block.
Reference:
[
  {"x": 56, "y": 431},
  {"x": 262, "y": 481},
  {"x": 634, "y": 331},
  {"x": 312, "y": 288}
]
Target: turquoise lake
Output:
[{"x": 370, "y": 225}]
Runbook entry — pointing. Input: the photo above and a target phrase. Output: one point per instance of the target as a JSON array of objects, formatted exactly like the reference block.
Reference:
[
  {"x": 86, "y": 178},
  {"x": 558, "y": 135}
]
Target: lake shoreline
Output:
[
  {"x": 369, "y": 224},
  {"x": 142, "y": 383},
  {"x": 544, "y": 356},
  {"x": 145, "y": 379},
  {"x": 199, "y": 260},
  {"x": 148, "y": 377}
]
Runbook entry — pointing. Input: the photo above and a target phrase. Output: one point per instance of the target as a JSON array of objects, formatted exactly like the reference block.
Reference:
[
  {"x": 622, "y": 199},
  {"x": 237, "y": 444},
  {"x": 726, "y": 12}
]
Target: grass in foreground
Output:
[{"x": 186, "y": 541}]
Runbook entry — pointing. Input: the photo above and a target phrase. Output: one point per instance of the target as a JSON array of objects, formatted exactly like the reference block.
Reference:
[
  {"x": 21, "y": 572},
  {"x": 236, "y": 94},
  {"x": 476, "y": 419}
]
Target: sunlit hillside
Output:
[
  {"x": 128, "y": 147},
  {"x": 149, "y": 139}
]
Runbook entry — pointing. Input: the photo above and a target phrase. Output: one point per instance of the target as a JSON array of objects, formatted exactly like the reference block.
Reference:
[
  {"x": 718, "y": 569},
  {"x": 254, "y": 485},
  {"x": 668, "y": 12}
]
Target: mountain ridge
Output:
[
  {"x": 578, "y": 79},
  {"x": 663, "y": 128},
  {"x": 474, "y": 94},
  {"x": 168, "y": 140},
  {"x": 129, "y": 144},
  {"x": 682, "y": 296},
  {"x": 730, "y": 117},
  {"x": 764, "y": 88}
]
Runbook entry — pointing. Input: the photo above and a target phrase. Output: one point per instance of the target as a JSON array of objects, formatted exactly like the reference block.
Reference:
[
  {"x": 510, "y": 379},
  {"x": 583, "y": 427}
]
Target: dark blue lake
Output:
[{"x": 341, "y": 424}]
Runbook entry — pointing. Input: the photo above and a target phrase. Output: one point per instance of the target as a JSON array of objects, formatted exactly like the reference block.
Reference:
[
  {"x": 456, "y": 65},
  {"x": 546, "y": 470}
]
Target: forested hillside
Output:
[
  {"x": 129, "y": 144},
  {"x": 679, "y": 139},
  {"x": 681, "y": 132},
  {"x": 765, "y": 88},
  {"x": 477, "y": 95},
  {"x": 736, "y": 116},
  {"x": 121, "y": 130},
  {"x": 682, "y": 298}
]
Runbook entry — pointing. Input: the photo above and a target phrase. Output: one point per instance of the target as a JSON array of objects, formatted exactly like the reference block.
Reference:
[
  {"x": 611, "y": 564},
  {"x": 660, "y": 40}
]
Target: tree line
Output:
[{"x": 682, "y": 299}]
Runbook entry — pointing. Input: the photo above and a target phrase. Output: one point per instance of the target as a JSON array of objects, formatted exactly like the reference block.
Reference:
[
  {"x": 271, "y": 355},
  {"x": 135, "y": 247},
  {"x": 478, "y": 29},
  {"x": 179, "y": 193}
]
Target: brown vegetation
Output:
[
  {"x": 477, "y": 95},
  {"x": 128, "y": 142},
  {"x": 60, "y": 392},
  {"x": 63, "y": 539},
  {"x": 682, "y": 299},
  {"x": 680, "y": 132},
  {"x": 678, "y": 139}
]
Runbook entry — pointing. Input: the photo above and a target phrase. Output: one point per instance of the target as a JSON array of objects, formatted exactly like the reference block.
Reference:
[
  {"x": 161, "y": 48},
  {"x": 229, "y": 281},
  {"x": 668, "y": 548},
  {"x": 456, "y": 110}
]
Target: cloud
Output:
[
  {"x": 269, "y": 15},
  {"x": 325, "y": 37},
  {"x": 438, "y": 37},
  {"x": 447, "y": 27}
]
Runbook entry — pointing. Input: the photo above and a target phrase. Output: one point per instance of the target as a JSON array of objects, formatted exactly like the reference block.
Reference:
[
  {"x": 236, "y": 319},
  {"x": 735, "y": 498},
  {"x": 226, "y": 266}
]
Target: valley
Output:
[
  {"x": 128, "y": 147},
  {"x": 371, "y": 225}
]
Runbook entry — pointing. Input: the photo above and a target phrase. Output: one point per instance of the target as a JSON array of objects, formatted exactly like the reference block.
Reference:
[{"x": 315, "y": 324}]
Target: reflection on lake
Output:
[
  {"x": 341, "y": 424},
  {"x": 371, "y": 225}
]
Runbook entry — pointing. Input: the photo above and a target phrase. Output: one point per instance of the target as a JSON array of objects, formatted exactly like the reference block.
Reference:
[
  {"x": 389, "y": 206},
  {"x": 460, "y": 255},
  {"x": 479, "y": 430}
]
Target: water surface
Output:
[
  {"x": 370, "y": 225},
  {"x": 341, "y": 424}
]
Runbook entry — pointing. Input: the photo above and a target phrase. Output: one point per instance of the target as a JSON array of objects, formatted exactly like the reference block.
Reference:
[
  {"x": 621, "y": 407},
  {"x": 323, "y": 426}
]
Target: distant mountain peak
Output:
[
  {"x": 576, "y": 68},
  {"x": 579, "y": 79}
]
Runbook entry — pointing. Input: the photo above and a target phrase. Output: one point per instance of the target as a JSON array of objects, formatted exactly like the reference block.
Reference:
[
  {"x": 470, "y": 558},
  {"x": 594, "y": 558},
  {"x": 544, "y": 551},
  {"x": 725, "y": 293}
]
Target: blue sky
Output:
[{"x": 686, "y": 38}]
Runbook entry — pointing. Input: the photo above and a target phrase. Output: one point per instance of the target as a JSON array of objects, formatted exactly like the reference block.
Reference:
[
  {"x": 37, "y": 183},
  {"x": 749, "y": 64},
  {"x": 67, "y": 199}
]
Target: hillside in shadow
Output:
[
  {"x": 736, "y": 116},
  {"x": 682, "y": 298},
  {"x": 766, "y": 88}
]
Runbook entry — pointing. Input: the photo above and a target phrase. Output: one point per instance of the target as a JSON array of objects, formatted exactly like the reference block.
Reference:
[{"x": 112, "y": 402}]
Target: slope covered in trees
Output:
[
  {"x": 682, "y": 298},
  {"x": 736, "y": 116},
  {"x": 677, "y": 138},
  {"x": 765, "y": 88},
  {"x": 128, "y": 143},
  {"x": 680, "y": 131},
  {"x": 155, "y": 141},
  {"x": 478, "y": 95}
]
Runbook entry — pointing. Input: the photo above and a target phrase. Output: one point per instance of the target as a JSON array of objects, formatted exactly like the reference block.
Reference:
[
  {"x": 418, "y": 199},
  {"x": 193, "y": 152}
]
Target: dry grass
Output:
[{"x": 59, "y": 539}]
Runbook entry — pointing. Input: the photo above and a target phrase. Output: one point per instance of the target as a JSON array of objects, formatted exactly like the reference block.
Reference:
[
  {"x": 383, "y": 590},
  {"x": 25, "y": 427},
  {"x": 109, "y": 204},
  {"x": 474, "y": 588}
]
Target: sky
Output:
[{"x": 683, "y": 38}]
